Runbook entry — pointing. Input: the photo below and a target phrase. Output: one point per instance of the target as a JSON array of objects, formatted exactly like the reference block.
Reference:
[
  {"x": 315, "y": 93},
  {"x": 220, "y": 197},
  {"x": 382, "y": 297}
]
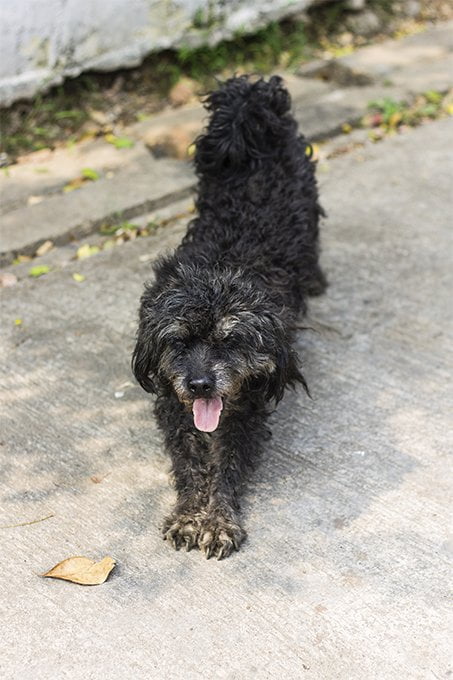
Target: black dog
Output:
[{"x": 216, "y": 326}]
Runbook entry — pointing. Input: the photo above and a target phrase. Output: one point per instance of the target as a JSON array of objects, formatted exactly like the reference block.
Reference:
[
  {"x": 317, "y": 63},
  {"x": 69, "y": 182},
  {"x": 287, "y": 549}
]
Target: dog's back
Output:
[{"x": 257, "y": 199}]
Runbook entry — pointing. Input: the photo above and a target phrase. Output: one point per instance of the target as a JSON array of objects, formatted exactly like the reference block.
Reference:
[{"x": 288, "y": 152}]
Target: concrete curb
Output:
[
  {"x": 326, "y": 96},
  {"x": 151, "y": 185}
]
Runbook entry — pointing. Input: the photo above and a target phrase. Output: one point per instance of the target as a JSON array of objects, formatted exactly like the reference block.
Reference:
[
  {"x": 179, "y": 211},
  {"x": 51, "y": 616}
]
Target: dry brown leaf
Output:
[
  {"x": 34, "y": 200},
  {"x": 86, "y": 251},
  {"x": 96, "y": 479},
  {"x": 82, "y": 570},
  {"x": 44, "y": 248}
]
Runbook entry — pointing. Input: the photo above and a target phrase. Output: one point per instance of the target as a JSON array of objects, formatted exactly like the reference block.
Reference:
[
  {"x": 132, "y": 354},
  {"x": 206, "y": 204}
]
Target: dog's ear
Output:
[
  {"x": 286, "y": 373},
  {"x": 145, "y": 356}
]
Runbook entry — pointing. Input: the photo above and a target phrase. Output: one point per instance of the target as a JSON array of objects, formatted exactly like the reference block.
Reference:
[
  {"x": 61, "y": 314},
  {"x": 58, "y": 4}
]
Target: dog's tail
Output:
[{"x": 250, "y": 121}]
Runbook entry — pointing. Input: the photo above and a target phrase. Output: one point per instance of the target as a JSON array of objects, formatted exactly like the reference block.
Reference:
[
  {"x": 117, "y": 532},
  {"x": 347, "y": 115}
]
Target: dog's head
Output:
[{"x": 210, "y": 337}]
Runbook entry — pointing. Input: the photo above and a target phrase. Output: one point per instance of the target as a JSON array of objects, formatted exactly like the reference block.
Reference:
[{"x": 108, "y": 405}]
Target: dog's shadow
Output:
[{"x": 331, "y": 460}]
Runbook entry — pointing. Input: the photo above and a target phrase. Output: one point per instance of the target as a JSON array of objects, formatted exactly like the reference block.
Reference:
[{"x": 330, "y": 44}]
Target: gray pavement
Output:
[{"x": 344, "y": 575}]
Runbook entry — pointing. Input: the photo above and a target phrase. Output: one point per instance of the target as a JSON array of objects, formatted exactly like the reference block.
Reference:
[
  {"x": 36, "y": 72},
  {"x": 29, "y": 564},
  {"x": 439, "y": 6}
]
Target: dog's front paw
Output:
[
  {"x": 219, "y": 536},
  {"x": 182, "y": 529}
]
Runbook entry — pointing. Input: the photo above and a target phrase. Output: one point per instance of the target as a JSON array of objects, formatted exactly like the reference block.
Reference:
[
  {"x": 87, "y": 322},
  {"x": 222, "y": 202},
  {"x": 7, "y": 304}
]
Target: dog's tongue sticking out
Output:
[{"x": 206, "y": 413}]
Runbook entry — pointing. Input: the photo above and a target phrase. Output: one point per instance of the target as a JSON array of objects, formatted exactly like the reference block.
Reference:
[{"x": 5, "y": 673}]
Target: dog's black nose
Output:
[{"x": 201, "y": 387}]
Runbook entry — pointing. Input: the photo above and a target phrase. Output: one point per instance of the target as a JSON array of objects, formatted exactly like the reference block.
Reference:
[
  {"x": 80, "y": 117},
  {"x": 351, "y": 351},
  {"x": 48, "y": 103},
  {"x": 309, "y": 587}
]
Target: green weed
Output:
[{"x": 389, "y": 115}]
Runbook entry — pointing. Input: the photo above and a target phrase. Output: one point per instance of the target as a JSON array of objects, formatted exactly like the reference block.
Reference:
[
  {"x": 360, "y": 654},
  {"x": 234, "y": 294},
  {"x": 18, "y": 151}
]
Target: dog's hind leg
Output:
[{"x": 317, "y": 282}]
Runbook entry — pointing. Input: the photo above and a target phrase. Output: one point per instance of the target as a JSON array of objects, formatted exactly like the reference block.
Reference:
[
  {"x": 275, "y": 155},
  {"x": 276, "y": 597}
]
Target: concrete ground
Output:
[{"x": 344, "y": 575}]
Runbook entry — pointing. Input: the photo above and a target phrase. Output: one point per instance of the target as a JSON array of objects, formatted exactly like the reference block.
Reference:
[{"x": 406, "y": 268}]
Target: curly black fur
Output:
[{"x": 217, "y": 325}]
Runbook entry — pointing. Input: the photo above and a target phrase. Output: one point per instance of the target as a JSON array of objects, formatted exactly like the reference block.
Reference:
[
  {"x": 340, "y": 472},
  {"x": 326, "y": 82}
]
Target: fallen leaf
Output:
[
  {"x": 18, "y": 322},
  {"x": 86, "y": 135},
  {"x": 314, "y": 148},
  {"x": 395, "y": 119},
  {"x": 39, "y": 270},
  {"x": 99, "y": 117},
  {"x": 108, "y": 229},
  {"x": 433, "y": 97},
  {"x": 89, "y": 173},
  {"x": 375, "y": 135},
  {"x": 34, "y": 200},
  {"x": 86, "y": 251},
  {"x": 7, "y": 279},
  {"x": 73, "y": 184},
  {"x": 376, "y": 119},
  {"x": 78, "y": 277},
  {"x": 123, "y": 143},
  {"x": 119, "y": 142},
  {"x": 96, "y": 479},
  {"x": 44, "y": 248},
  {"x": 82, "y": 570},
  {"x": 83, "y": 251}
]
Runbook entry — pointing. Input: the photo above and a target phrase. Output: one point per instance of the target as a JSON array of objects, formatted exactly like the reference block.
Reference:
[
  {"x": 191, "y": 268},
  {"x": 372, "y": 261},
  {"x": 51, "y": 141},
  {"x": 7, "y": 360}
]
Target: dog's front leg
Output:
[
  {"x": 234, "y": 450},
  {"x": 189, "y": 455}
]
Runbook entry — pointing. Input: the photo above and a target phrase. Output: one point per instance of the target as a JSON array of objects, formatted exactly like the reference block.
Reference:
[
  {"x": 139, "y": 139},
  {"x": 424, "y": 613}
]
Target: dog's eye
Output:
[
  {"x": 230, "y": 338},
  {"x": 177, "y": 344},
  {"x": 243, "y": 337}
]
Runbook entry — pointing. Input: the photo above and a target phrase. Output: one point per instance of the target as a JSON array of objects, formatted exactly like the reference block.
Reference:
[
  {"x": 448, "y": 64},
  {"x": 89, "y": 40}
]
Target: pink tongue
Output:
[{"x": 206, "y": 413}]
